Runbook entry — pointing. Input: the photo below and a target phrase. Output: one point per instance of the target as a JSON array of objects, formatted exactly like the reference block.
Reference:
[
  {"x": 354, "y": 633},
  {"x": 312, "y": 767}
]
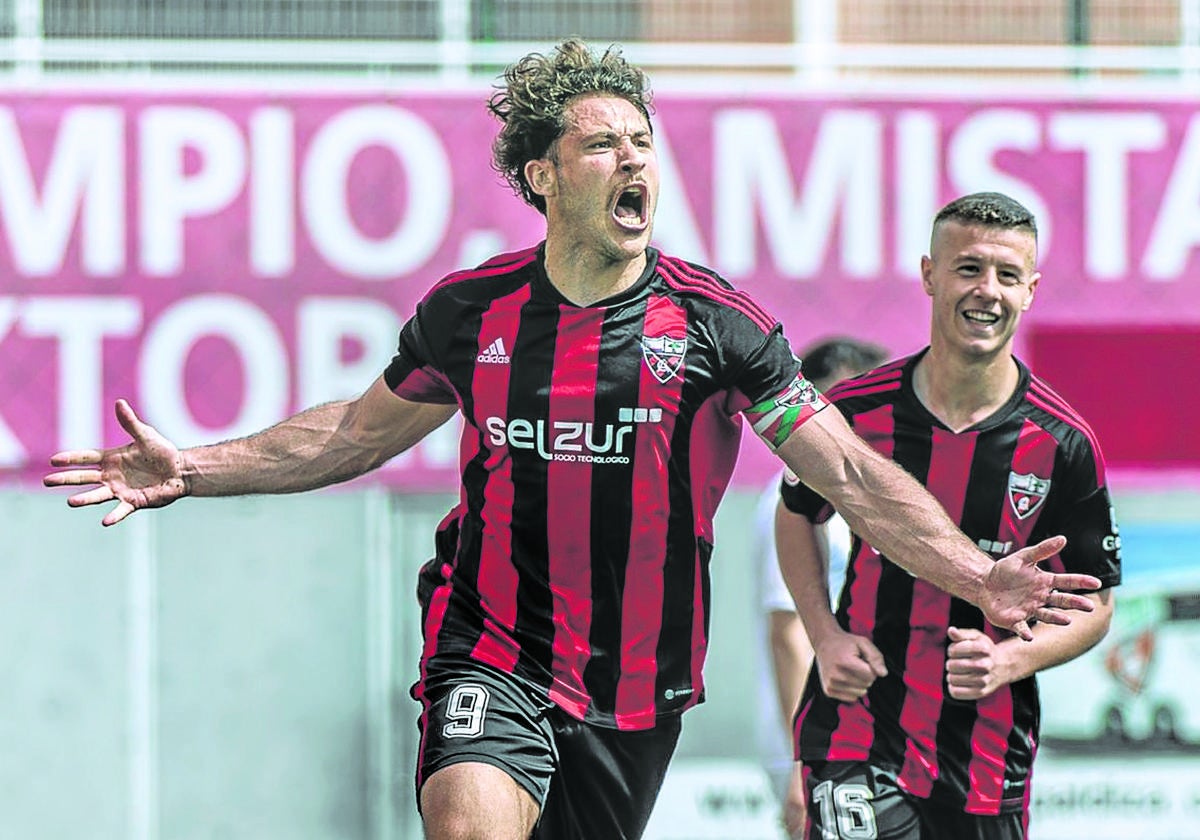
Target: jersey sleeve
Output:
[
  {"x": 414, "y": 372},
  {"x": 1083, "y": 512},
  {"x": 780, "y": 399}
]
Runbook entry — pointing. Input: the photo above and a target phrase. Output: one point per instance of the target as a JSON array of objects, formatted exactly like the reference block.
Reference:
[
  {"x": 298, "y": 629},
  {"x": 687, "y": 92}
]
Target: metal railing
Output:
[{"x": 465, "y": 38}]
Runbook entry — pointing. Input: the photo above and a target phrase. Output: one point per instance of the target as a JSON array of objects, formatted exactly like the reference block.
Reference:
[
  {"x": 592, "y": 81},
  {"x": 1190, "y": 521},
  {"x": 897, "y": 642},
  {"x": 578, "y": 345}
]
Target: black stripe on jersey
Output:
[
  {"x": 460, "y": 546},
  {"x": 1018, "y": 760},
  {"x": 531, "y": 376},
  {"x": 679, "y": 576},
  {"x": 612, "y": 519},
  {"x": 894, "y": 595},
  {"x": 820, "y": 720}
]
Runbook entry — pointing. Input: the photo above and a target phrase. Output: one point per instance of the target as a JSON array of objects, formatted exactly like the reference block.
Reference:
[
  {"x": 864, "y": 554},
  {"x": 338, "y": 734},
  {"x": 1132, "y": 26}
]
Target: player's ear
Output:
[
  {"x": 1033, "y": 284},
  {"x": 927, "y": 275},
  {"x": 541, "y": 176}
]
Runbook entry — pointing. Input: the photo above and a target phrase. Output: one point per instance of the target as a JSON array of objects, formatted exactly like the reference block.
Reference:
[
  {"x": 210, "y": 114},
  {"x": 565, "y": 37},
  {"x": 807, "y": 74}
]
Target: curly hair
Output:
[
  {"x": 533, "y": 98},
  {"x": 989, "y": 209}
]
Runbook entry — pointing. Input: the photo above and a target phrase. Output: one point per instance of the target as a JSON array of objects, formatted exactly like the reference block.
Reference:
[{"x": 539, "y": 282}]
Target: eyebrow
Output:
[
  {"x": 612, "y": 135},
  {"x": 961, "y": 258}
]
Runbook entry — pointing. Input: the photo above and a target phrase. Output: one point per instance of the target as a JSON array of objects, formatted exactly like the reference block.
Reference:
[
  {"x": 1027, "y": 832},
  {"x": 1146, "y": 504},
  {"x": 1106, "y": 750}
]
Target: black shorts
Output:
[
  {"x": 591, "y": 782},
  {"x": 850, "y": 800}
]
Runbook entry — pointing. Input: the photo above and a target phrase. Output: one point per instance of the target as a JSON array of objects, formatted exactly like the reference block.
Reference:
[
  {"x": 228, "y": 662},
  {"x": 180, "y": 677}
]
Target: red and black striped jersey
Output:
[
  {"x": 1030, "y": 471},
  {"x": 597, "y": 442}
]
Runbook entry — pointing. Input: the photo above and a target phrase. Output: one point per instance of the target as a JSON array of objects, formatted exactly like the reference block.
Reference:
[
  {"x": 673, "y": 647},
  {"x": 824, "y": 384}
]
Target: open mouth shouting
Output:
[{"x": 630, "y": 209}]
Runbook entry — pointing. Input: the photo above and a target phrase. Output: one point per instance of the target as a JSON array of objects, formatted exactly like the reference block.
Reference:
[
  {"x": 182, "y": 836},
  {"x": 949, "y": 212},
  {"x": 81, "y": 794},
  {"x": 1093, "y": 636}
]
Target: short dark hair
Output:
[
  {"x": 831, "y": 355},
  {"x": 989, "y": 209},
  {"x": 533, "y": 98}
]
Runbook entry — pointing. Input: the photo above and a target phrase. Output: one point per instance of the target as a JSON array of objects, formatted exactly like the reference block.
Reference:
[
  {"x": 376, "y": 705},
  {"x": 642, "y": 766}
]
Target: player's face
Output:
[
  {"x": 601, "y": 178},
  {"x": 980, "y": 279}
]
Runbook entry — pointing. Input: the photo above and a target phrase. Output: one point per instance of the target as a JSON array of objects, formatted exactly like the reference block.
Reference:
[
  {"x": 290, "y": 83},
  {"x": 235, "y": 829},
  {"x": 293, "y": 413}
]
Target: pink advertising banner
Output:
[{"x": 223, "y": 260}]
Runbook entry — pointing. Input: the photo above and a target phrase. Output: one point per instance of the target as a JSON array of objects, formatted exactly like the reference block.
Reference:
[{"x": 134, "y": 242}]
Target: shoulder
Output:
[
  {"x": 1049, "y": 404},
  {"x": 497, "y": 272},
  {"x": 1075, "y": 436},
  {"x": 881, "y": 384},
  {"x": 704, "y": 290}
]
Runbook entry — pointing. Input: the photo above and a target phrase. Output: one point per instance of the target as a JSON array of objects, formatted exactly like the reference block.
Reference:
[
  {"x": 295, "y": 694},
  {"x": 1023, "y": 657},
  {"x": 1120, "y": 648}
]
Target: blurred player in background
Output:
[
  {"x": 921, "y": 719},
  {"x": 601, "y": 386},
  {"x": 787, "y": 652}
]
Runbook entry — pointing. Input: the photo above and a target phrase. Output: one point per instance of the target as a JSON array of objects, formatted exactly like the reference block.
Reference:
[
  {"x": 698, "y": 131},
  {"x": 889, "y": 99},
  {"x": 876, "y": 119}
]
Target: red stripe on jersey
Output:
[
  {"x": 878, "y": 428},
  {"x": 497, "y": 579},
  {"x": 1044, "y": 397},
  {"x": 433, "y": 618},
  {"x": 855, "y": 731},
  {"x": 642, "y": 599},
  {"x": 925, "y": 661},
  {"x": 569, "y": 503},
  {"x": 424, "y": 384},
  {"x": 680, "y": 275},
  {"x": 496, "y": 646},
  {"x": 1034, "y": 455},
  {"x": 989, "y": 746},
  {"x": 712, "y": 454}
]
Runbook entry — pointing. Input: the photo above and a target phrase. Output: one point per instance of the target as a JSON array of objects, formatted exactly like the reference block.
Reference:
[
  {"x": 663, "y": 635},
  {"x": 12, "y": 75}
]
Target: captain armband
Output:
[{"x": 774, "y": 419}]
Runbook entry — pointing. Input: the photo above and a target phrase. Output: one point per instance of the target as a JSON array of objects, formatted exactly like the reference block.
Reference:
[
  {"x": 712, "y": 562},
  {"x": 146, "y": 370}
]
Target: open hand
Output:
[
  {"x": 145, "y": 473},
  {"x": 1017, "y": 591}
]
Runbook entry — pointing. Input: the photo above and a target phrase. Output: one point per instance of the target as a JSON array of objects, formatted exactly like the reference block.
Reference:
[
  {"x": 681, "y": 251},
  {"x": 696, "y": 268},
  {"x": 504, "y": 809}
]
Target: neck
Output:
[
  {"x": 585, "y": 276},
  {"x": 962, "y": 392}
]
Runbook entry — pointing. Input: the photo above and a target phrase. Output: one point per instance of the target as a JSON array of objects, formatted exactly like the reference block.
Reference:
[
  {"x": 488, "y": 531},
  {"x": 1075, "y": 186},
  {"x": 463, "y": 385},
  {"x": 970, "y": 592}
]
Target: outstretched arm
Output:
[
  {"x": 889, "y": 508},
  {"x": 320, "y": 446}
]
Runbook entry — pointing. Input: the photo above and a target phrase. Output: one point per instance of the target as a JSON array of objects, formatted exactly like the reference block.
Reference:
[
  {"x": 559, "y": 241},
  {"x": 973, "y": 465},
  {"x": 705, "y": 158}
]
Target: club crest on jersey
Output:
[
  {"x": 663, "y": 355},
  {"x": 1026, "y": 492}
]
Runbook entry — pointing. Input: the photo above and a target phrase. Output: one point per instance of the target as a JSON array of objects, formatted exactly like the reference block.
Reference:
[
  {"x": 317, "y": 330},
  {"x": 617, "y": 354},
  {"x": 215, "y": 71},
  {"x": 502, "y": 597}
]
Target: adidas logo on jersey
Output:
[{"x": 495, "y": 354}]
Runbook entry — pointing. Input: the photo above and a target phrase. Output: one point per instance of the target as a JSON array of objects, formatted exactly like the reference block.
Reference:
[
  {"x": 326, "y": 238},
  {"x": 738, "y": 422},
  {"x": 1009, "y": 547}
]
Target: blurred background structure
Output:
[
  {"x": 224, "y": 210},
  {"x": 453, "y": 36}
]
